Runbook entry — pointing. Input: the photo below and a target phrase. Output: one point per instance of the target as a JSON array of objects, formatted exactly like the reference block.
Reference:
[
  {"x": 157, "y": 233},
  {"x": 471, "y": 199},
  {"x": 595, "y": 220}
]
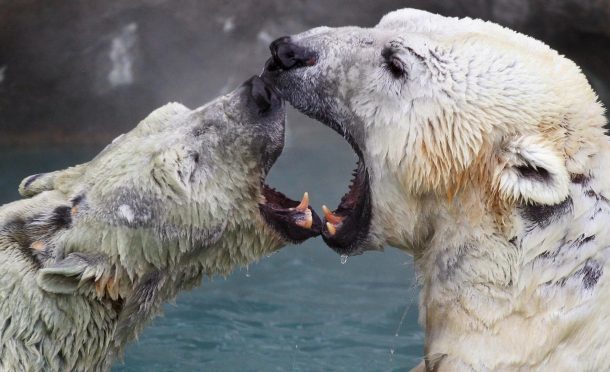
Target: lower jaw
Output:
[
  {"x": 293, "y": 221},
  {"x": 346, "y": 229}
]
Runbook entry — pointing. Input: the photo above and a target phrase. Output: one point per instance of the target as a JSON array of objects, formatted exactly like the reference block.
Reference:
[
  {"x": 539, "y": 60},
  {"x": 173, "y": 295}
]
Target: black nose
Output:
[
  {"x": 263, "y": 95},
  {"x": 287, "y": 55}
]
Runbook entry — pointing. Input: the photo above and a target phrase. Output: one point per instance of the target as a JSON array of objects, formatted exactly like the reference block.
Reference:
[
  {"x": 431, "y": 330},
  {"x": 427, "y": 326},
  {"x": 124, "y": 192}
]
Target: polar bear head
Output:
[
  {"x": 180, "y": 196},
  {"x": 456, "y": 123}
]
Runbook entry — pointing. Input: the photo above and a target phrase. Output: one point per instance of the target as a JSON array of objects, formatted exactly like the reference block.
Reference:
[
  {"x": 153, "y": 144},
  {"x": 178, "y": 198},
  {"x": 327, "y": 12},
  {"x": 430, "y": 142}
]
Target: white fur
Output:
[
  {"x": 513, "y": 262},
  {"x": 535, "y": 153},
  {"x": 147, "y": 219},
  {"x": 487, "y": 304}
]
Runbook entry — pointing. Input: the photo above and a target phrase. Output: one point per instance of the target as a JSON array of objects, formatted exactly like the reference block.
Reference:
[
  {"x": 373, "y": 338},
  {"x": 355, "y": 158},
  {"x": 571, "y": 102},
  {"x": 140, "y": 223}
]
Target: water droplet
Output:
[
  {"x": 343, "y": 259},
  {"x": 396, "y": 334},
  {"x": 392, "y": 351},
  {"x": 247, "y": 271}
]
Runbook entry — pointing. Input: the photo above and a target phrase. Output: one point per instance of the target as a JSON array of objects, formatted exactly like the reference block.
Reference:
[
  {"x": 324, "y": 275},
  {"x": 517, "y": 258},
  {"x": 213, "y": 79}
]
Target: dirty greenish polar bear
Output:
[
  {"x": 90, "y": 257},
  {"x": 482, "y": 153}
]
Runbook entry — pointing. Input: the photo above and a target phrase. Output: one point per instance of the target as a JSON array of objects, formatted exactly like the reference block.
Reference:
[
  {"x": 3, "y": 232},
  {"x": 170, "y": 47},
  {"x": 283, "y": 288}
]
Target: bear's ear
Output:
[
  {"x": 37, "y": 183},
  {"x": 532, "y": 171},
  {"x": 77, "y": 271}
]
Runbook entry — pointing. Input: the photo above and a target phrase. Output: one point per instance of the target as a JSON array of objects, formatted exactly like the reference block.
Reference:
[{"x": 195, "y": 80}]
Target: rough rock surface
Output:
[{"x": 62, "y": 61}]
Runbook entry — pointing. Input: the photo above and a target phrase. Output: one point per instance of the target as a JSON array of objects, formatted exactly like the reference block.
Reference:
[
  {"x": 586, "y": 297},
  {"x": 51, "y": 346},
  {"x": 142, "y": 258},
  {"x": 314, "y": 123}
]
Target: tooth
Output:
[
  {"x": 332, "y": 230},
  {"x": 307, "y": 222},
  {"x": 330, "y": 216},
  {"x": 303, "y": 206},
  {"x": 326, "y": 211}
]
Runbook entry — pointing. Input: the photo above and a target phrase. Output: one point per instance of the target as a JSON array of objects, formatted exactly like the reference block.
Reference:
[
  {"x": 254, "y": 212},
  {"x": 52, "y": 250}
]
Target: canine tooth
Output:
[
  {"x": 307, "y": 222},
  {"x": 330, "y": 216},
  {"x": 332, "y": 230},
  {"x": 303, "y": 206}
]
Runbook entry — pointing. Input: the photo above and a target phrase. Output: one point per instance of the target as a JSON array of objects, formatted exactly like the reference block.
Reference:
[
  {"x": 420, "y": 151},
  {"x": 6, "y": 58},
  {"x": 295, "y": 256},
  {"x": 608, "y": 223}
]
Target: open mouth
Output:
[
  {"x": 294, "y": 221},
  {"x": 346, "y": 228}
]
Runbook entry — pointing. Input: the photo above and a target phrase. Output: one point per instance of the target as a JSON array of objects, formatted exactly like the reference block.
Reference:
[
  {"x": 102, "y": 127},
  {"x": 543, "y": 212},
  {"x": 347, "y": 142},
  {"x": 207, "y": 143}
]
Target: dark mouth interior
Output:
[
  {"x": 346, "y": 228},
  {"x": 355, "y": 192},
  {"x": 286, "y": 218}
]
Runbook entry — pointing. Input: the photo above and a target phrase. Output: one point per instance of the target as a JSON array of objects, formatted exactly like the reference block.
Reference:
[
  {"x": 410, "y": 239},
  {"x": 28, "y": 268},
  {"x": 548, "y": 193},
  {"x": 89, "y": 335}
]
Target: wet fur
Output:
[
  {"x": 95, "y": 251},
  {"x": 488, "y": 163}
]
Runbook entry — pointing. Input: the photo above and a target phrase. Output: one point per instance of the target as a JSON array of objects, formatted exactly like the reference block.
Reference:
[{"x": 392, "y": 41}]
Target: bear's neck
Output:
[{"x": 496, "y": 301}]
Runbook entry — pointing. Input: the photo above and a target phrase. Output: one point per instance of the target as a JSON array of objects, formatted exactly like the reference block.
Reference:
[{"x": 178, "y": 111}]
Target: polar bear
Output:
[
  {"x": 482, "y": 153},
  {"x": 89, "y": 258}
]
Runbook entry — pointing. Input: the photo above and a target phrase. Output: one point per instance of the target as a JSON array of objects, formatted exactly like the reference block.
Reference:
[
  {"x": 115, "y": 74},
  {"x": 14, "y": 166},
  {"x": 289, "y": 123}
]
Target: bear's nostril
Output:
[{"x": 286, "y": 54}]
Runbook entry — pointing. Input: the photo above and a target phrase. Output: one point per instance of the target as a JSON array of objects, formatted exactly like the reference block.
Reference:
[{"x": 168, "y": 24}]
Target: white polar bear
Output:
[
  {"x": 95, "y": 251},
  {"x": 483, "y": 154}
]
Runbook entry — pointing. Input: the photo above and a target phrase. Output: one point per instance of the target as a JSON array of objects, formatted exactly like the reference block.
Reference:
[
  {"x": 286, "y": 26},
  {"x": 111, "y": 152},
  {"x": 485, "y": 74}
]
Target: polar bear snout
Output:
[{"x": 286, "y": 55}]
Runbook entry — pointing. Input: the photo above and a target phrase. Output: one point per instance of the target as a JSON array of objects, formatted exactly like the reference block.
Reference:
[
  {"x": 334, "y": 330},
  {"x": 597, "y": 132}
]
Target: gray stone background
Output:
[{"x": 82, "y": 71}]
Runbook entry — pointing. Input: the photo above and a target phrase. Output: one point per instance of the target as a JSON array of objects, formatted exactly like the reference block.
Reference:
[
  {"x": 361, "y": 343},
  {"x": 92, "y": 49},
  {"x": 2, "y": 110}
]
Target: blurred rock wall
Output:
[{"x": 82, "y": 71}]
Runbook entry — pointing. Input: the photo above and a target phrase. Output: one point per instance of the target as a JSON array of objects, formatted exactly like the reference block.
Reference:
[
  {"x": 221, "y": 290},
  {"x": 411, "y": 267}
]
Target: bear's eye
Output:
[
  {"x": 396, "y": 67},
  {"x": 393, "y": 64}
]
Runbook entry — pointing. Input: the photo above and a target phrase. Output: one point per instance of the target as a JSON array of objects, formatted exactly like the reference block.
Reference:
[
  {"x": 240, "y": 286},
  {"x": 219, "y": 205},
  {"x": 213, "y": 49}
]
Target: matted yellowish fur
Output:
[{"x": 488, "y": 161}]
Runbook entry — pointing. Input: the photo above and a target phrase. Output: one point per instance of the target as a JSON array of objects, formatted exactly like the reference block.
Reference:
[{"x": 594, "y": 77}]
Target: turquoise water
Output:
[{"x": 298, "y": 310}]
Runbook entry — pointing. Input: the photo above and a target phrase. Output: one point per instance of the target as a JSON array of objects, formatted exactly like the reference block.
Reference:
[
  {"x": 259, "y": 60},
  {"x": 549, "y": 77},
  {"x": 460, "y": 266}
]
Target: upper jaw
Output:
[{"x": 292, "y": 220}]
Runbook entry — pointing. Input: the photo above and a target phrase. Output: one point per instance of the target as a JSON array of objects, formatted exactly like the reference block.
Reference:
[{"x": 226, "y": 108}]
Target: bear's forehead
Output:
[{"x": 453, "y": 30}]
